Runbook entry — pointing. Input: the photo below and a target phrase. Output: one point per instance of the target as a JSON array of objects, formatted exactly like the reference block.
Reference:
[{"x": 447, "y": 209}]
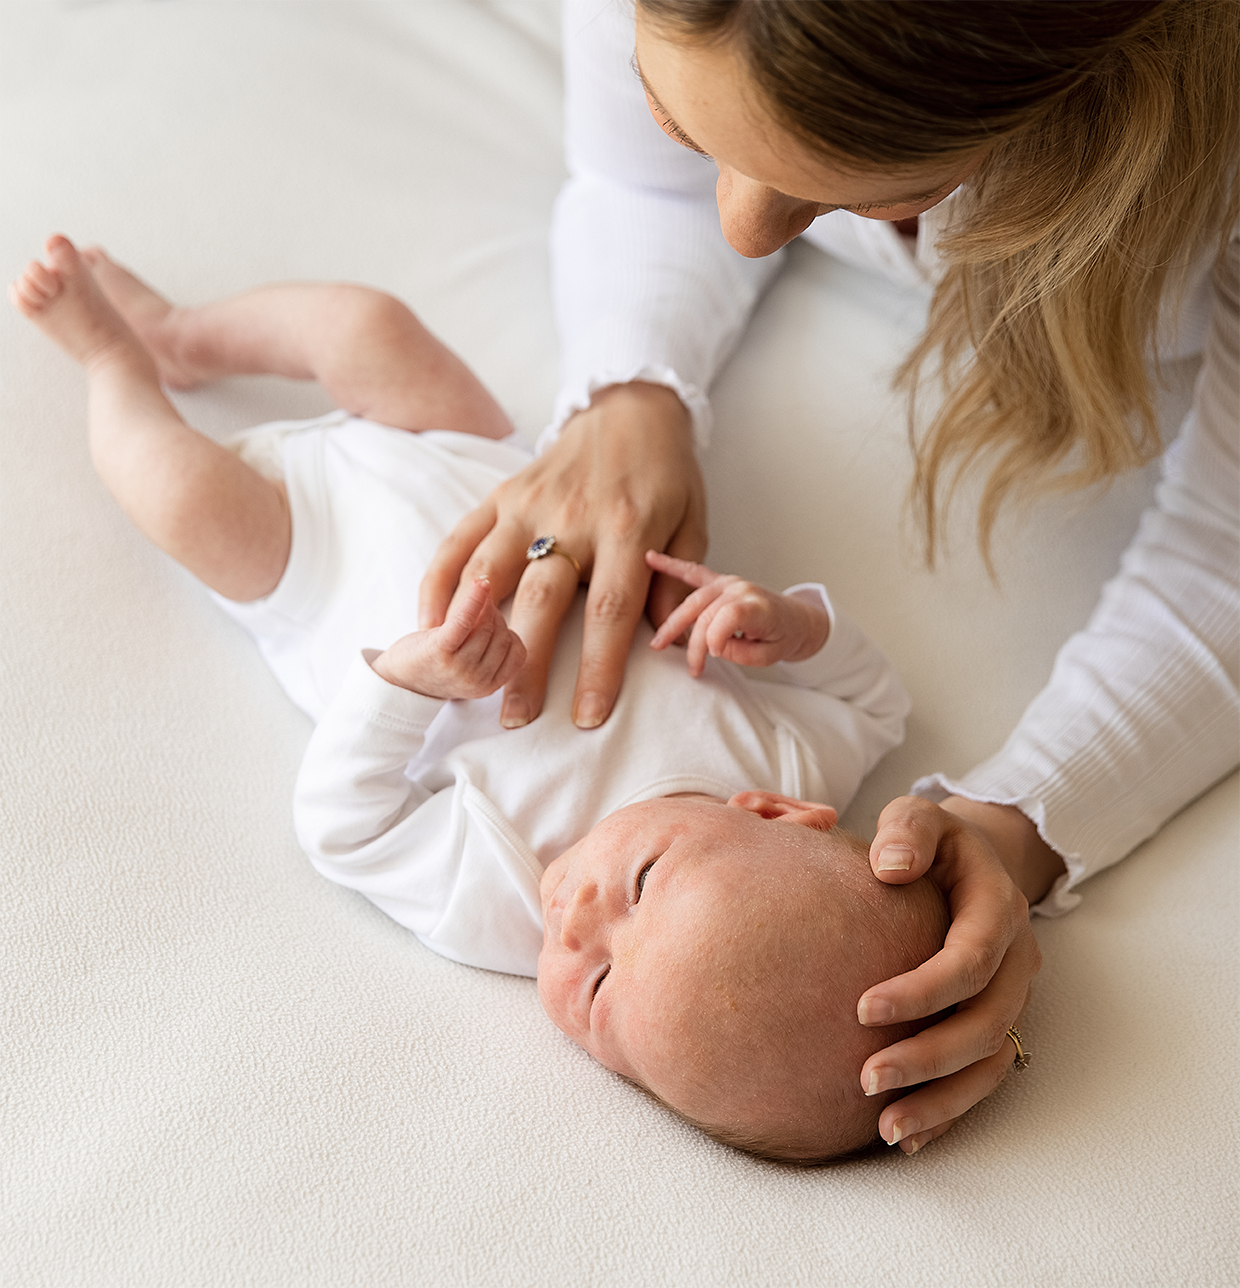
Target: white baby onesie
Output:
[{"x": 432, "y": 810}]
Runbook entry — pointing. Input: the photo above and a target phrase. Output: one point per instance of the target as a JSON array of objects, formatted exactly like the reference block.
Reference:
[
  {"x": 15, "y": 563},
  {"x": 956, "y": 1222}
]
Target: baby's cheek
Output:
[{"x": 551, "y": 991}]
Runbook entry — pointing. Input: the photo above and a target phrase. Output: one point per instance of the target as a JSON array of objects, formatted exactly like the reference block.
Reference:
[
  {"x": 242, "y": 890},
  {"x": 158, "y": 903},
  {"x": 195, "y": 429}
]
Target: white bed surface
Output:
[{"x": 221, "y": 1069}]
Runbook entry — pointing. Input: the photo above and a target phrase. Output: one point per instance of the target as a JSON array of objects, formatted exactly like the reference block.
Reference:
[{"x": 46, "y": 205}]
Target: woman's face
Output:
[{"x": 771, "y": 186}]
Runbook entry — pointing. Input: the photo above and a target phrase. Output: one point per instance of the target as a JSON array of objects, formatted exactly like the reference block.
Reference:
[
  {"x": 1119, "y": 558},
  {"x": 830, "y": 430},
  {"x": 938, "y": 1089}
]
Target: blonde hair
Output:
[{"x": 1112, "y": 131}]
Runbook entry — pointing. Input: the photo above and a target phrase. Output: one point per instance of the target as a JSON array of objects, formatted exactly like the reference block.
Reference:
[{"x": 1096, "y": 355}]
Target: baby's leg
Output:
[
  {"x": 370, "y": 353},
  {"x": 196, "y": 500}
]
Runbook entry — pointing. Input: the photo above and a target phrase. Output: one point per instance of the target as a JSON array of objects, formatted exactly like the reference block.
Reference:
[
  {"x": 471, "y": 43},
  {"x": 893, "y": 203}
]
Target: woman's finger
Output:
[
  {"x": 911, "y": 1144},
  {"x": 614, "y": 606},
  {"x": 544, "y": 594},
  {"x": 975, "y": 1032},
  {"x": 443, "y": 574},
  {"x": 907, "y": 839},
  {"x": 990, "y": 925},
  {"x": 930, "y": 1110}
]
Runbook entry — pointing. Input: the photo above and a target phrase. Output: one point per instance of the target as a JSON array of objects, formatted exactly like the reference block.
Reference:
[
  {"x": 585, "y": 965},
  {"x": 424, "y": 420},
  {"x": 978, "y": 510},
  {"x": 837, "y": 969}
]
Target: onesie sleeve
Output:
[
  {"x": 644, "y": 285},
  {"x": 851, "y": 668},
  {"x": 442, "y": 863},
  {"x": 1141, "y": 712}
]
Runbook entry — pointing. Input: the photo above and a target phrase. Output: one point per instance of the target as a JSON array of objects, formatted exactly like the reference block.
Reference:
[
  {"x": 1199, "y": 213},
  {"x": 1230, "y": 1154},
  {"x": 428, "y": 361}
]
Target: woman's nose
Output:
[
  {"x": 578, "y": 921},
  {"x": 758, "y": 220}
]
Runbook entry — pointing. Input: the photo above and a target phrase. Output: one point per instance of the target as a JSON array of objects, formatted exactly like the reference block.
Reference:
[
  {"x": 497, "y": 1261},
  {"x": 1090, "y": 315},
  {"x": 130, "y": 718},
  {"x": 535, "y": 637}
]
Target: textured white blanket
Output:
[{"x": 219, "y": 1068}]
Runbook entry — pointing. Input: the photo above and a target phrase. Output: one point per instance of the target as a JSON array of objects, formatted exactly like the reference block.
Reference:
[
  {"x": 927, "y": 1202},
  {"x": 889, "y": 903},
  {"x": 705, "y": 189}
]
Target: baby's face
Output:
[{"x": 664, "y": 899}]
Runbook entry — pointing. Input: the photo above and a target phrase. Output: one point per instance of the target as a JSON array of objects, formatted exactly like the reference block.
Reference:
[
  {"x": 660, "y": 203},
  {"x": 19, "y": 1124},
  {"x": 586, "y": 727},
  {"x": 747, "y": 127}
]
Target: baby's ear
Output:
[{"x": 822, "y": 818}]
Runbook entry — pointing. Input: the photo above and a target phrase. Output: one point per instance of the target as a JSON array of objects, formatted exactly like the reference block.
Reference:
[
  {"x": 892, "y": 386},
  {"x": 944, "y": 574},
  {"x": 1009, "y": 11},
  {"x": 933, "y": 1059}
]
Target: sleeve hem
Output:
[
  {"x": 399, "y": 708},
  {"x": 816, "y": 593},
  {"x": 577, "y": 396}
]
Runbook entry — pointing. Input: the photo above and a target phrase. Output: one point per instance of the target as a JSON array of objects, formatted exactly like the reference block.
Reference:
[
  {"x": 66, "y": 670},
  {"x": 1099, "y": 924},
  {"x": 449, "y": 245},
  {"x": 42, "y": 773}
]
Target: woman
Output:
[{"x": 1066, "y": 175}]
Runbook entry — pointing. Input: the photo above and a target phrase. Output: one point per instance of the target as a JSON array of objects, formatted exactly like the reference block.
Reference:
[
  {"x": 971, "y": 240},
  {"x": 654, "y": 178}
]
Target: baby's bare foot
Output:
[
  {"x": 63, "y": 301},
  {"x": 153, "y": 318}
]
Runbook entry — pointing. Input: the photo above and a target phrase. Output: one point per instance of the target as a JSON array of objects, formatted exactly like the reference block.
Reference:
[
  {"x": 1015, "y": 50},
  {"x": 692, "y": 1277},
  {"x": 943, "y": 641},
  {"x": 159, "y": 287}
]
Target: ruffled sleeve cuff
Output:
[{"x": 576, "y": 396}]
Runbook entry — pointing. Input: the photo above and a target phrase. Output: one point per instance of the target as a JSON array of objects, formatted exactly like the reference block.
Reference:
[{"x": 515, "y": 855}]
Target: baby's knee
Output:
[{"x": 361, "y": 312}]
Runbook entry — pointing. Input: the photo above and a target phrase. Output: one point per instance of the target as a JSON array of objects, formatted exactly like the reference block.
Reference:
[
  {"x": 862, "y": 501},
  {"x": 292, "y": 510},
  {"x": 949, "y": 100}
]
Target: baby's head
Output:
[{"x": 715, "y": 952}]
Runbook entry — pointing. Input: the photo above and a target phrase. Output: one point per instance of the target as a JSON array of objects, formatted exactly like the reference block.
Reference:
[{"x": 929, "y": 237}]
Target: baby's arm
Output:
[
  {"x": 428, "y": 856},
  {"x": 818, "y": 648},
  {"x": 738, "y": 620},
  {"x": 471, "y": 655}
]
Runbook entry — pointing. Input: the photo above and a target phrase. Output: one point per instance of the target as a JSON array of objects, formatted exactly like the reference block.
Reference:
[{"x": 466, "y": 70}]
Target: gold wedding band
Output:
[
  {"x": 1022, "y": 1056},
  {"x": 545, "y": 546}
]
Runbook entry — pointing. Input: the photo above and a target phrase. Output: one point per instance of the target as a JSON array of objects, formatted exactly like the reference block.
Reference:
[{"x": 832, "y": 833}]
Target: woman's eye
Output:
[
  {"x": 642, "y": 875},
  {"x": 598, "y": 982}
]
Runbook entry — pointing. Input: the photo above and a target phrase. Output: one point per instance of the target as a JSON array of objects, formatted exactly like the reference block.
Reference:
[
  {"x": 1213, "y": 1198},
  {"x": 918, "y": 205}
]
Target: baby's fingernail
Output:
[
  {"x": 912, "y": 1146},
  {"x": 895, "y": 858},
  {"x": 515, "y": 713},
  {"x": 882, "y": 1080},
  {"x": 875, "y": 1010},
  {"x": 591, "y": 712},
  {"x": 904, "y": 1127}
]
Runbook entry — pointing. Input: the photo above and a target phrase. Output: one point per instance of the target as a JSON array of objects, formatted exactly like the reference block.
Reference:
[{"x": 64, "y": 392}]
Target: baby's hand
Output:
[
  {"x": 471, "y": 655},
  {"x": 737, "y": 620}
]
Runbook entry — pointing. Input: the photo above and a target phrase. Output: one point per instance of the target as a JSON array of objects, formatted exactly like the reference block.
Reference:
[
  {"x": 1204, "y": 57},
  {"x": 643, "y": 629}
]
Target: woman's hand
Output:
[
  {"x": 470, "y": 656},
  {"x": 737, "y": 620},
  {"x": 991, "y": 864},
  {"x": 621, "y": 479}
]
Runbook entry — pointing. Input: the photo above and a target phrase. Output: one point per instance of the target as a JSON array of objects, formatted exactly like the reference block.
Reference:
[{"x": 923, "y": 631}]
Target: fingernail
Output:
[
  {"x": 904, "y": 1127},
  {"x": 912, "y": 1147},
  {"x": 515, "y": 713},
  {"x": 591, "y": 712},
  {"x": 875, "y": 1010},
  {"x": 882, "y": 1080},
  {"x": 895, "y": 858}
]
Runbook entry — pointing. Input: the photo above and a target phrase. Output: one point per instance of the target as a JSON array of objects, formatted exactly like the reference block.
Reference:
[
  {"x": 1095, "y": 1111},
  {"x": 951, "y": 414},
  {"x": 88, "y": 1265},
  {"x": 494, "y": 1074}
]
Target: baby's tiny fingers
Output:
[
  {"x": 505, "y": 656},
  {"x": 700, "y": 640},
  {"x": 683, "y": 616},
  {"x": 464, "y": 618},
  {"x": 692, "y": 574}
]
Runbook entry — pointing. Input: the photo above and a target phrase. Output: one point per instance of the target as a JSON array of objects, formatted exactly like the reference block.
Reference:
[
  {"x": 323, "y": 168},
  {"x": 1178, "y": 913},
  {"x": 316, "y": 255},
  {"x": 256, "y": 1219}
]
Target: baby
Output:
[{"x": 695, "y": 920}]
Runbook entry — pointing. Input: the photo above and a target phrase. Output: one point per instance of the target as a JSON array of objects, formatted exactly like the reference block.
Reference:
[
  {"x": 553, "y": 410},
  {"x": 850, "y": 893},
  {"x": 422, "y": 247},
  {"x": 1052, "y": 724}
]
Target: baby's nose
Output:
[{"x": 576, "y": 924}]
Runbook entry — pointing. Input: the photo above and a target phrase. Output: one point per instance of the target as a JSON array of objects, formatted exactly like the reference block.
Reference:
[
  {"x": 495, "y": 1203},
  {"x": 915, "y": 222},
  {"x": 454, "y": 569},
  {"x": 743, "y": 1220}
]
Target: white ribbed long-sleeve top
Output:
[{"x": 1142, "y": 712}]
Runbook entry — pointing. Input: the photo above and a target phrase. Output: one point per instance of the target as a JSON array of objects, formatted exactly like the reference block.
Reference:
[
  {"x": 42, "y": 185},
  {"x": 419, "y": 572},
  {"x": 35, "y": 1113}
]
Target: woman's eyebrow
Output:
[{"x": 680, "y": 135}]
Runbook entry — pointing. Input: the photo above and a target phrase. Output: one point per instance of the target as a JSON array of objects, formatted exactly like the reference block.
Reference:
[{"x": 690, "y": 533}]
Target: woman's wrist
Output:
[
  {"x": 1033, "y": 866},
  {"x": 657, "y": 402}
]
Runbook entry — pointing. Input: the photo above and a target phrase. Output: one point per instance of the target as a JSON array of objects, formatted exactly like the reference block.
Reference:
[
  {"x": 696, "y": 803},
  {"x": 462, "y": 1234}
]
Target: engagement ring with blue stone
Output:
[{"x": 546, "y": 546}]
